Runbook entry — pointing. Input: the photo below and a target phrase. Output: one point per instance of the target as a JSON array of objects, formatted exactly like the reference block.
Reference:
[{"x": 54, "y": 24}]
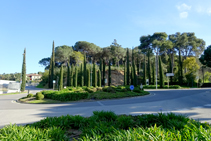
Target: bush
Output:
[
  {"x": 91, "y": 90},
  {"x": 99, "y": 89},
  {"x": 30, "y": 95},
  {"x": 39, "y": 96}
]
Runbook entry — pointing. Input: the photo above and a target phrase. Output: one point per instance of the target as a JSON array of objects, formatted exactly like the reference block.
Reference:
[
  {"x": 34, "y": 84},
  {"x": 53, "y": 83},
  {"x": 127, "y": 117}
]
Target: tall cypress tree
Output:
[
  {"x": 88, "y": 77},
  {"x": 180, "y": 69},
  {"x": 109, "y": 73},
  {"x": 71, "y": 76},
  {"x": 144, "y": 74},
  {"x": 61, "y": 78},
  {"x": 85, "y": 77},
  {"x": 95, "y": 76},
  {"x": 99, "y": 78},
  {"x": 68, "y": 74},
  {"x": 131, "y": 75},
  {"x": 23, "y": 75},
  {"x": 76, "y": 77},
  {"x": 161, "y": 73},
  {"x": 125, "y": 74},
  {"x": 153, "y": 73},
  {"x": 170, "y": 69},
  {"x": 134, "y": 75},
  {"x": 128, "y": 71},
  {"x": 101, "y": 68},
  {"x": 52, "y": 66},
  {"x": 149, "y": 67},
  {"x": 137, "y": 65},
  {"x": 82, "y": 76},
  {"x": 103, "y": 72}
]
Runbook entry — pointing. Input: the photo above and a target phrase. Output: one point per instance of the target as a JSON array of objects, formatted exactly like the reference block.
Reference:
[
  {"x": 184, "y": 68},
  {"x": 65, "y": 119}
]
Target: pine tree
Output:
[
  {"x": 61, "y": 78},
  {"x": 68, "y": 74},
  {"x": 149, "y": 68},
  {"x": 144, "y": 74},
  {"x": 103, "y": 72},
  {"x": 109, "y": 73},
  {"x": 85, "y": 78},
  {"x": 82, "y": 76},
  {"x": 23, "y": 75},
  {"x": 99, "y": 78},
  {"x": 125, "y": 74},
  {"x": 161, "y": 73},
  {"x": 76, "y": 77},
  {"x": 128, "y": 71},
  {"x": 88, "y": 78}
]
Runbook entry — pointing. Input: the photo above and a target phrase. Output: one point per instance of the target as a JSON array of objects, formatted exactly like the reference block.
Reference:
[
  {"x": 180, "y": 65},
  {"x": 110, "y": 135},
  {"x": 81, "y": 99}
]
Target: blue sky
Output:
[{"x": 35, "y": 24}]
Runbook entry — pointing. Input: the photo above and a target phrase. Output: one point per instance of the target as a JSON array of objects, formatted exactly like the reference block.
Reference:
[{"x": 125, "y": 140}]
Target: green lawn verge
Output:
[
  {"x": 14, "y": 93},
  {"x": 106, "y": 125}
]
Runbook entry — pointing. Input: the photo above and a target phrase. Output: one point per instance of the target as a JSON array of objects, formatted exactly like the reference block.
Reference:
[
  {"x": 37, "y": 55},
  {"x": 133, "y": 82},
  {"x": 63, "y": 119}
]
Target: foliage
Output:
[
  {"x": 63, "y": 53},
  {"x": 109, "y": 74},
  {"x": 23, "y": 75},
  {"x": 39, "y": 96},
  {"x": 106, "y": 125},
  {"x": 30, "y": 95},
  {"x": 99, "y": 78},
  {"x": 128, "y": 71},
  {"x": 161, "y": 73},
  {"x": 206, "y": 57},
  {"x": 61, "y": 79},
  {"x": 145, "y": 71}
]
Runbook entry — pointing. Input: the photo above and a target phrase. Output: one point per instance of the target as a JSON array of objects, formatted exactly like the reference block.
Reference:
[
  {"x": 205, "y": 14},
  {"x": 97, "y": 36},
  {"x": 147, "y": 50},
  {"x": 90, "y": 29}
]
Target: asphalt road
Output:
[{"x": 195, "y": 103}]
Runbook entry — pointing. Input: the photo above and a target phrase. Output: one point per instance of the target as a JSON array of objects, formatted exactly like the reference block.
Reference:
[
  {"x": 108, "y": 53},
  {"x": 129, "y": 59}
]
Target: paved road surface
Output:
[{"x": 195, "y": 103}]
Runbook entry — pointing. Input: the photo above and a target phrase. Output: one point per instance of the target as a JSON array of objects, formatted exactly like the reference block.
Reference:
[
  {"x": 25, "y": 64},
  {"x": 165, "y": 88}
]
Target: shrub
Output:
[
  {"x": 110, "y": 89},
  {"x": 99, "y": 89},
  {"x": 92, "y": 90},
  {"x": 39, "y": 96},
  {"x": 30, "y": 95}
]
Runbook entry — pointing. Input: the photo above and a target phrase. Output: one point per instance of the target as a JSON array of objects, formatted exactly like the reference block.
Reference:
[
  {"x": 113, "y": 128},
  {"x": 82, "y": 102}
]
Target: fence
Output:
[{"x": 9, "y": 86}]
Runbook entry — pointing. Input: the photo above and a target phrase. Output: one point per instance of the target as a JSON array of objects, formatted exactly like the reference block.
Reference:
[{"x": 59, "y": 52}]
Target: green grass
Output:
[
  {"x": 14, "y": 93},
  {"x": 106, "y": 125}
]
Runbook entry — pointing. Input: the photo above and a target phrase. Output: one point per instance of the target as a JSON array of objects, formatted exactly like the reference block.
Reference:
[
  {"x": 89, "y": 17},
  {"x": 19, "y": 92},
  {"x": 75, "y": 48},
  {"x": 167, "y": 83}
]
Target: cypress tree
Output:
[
  {"x": 68, "y": 74},
  {"x": 93, "y": 74},
  {"x": 161, "y": 73},
  {"x": 153, "y": 73},
  {"x": 84, "y": 71},
  {"x": 61, "y": 78},
  {"x": 23, "y": 75},
  {"x": 125, "y": 74},
  {"x": 103, "y": 72},
  {"x": 88, "y": 78},
  {"x": 49, "y": 75},
  {"x": 99, "y": 78},
  {"x": 76, "y": 77},
  {"x": 144, "y": 74},
  {"x": 128, "y": 71},
  {"x": 131, "y": 75},
  {"x": 134, "y": 75},
  {"x": 71, "y": 76},
  {"x": 109, "y": 73},
  {"x": 170, "y": 69},
  {"x": 180, "y": 69},
  {"x": 95, "y": 77},
  {"x": 149, "y": 68},
  {"x": 52, "y": 66},
  {"x": 82, "y": 76},
  {"x": 137, "y": 65},
  {"x": 101, "y": 68}
]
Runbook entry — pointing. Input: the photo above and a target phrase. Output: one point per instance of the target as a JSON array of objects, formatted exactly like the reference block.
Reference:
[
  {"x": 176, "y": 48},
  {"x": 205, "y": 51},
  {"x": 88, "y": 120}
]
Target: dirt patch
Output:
[{"x": 117, "y": 77}]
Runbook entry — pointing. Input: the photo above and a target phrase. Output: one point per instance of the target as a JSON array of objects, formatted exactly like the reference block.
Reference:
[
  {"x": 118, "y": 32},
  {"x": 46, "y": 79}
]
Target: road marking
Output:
[
  {"x": 185, "y": 109},
  {"x": 207, "y": 105},
  {"x": 197, "y": 107},
  {"x": 101, "y": 104}
]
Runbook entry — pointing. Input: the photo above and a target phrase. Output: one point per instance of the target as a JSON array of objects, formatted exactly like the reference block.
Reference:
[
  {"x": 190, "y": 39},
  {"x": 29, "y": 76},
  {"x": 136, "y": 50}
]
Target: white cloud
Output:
[
  {"x": 199, "y": 9},
  {"x": 183, "y": 15},
  {"x": 209, "y": 11},
  {"x": 183, "y": 7}
]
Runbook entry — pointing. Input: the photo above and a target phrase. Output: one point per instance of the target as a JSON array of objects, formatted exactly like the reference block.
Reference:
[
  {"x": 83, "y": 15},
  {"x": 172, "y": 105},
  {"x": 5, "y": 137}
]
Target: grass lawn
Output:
[
  {"x": 33, "y": 100},
  {"x": 107, "y": 126}
]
